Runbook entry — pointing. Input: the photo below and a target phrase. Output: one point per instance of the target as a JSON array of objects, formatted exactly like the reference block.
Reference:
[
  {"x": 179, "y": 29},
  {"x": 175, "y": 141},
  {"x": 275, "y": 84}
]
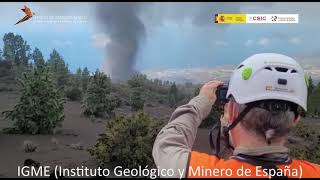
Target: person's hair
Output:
[{"x": 267, "y": 124}]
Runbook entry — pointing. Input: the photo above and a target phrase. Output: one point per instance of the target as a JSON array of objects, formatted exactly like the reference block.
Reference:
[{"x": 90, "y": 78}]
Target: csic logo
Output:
[{"x": 258, "y": 18}]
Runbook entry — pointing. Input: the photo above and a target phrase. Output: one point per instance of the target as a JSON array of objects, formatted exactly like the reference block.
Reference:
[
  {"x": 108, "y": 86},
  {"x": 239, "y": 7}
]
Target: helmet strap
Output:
[
  {"x": 235, "y": 122},
  {"x": 215, "y": 143}
]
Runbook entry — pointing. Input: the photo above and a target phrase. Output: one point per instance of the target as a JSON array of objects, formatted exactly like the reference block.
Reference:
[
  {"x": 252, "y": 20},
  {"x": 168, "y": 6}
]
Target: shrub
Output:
[
  {"x": 309, "y": 147},
  {"x": 136, "y": 100},
  {"x": 127, "y": 141},
  {"x": 73, "y": 93},
  {"x": 98, "y": 101},
  {"x": 40, "y": 106},
  {"x": 5, "y": 68},
  {"x": 29, "y": 146}
]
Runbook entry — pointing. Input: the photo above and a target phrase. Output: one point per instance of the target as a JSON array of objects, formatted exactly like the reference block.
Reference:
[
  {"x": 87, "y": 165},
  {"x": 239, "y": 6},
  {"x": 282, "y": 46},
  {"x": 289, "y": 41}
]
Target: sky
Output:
[{"x": 177, "y": 35}]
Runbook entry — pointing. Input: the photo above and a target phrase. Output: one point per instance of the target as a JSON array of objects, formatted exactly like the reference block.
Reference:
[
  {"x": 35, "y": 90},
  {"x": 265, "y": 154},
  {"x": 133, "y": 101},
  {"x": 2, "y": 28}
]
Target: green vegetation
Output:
[
  {"x": 40, "y": 106},
  {"x": 58, "y": 68},
  {"x": 307, "y": 147},
  {"x": 38, "y": 58},
  {"x": 136, "y": 100},
  {"x": 74, "y": 89},
  {"x": 313, "y": 99},
  {"x": 164, "y": 92},
  {"x": 16, "y": 49},
  {"x": 127, "y": 141},
  {"x": 98, "y": 101},
  {"x": 173, "y": 95}
]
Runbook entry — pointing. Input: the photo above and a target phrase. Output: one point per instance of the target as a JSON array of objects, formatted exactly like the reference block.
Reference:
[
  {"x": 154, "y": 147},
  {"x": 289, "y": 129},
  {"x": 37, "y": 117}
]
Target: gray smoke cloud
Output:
[
  {"x": 122, "y": 24},
  {"x": 126, "y": 24}
]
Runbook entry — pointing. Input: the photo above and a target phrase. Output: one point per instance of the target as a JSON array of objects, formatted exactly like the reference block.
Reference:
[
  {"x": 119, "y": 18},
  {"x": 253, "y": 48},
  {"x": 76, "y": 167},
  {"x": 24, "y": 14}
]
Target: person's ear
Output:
[
  {"x": 233, "y": 111},
  {"x": 296, "y": 121}
]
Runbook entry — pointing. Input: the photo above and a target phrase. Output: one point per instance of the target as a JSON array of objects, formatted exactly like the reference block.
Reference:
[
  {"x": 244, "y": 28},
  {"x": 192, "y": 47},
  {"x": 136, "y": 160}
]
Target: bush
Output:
[
  {"x": 309, "y": 147},
  {"x": 98, "y": 101},
  {"x": 5, "y": 68},
  {"x": 29, "y": 146},
  {"x": 73, "y": 93},
  {"x": 127, "y": 141},
  {"x": 40, "y": 106},
  {"x": 136, "y": 100}
]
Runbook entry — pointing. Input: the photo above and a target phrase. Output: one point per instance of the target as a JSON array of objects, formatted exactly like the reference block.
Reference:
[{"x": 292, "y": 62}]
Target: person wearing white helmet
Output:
[{"x": 265, "y": 97}]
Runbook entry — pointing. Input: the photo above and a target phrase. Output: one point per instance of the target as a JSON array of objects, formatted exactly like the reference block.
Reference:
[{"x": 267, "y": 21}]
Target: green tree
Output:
[
  {"x": 40, "y": 106},
  {"x": 307, "y": 144},
  {"x": 1, "y": 55},
  {"x": 127, "y": 141},
  {"x": 311, "y": 86},
  {"x": 136, "y": 99},
  {"x": 173, "y": 95},
  {"x": 98, "y": 101},
  {"x": 16, "y": 49},
  {"x": 85, "y": 77},
  {"x": 73, "y": 90},
  {"x": 6, "y": 69},
  {"x": 314, "y": 102},
  {"x": 59, "y": 68},
  {"x": 38, "y": 58},
  {"x": 138, "y": 80}
]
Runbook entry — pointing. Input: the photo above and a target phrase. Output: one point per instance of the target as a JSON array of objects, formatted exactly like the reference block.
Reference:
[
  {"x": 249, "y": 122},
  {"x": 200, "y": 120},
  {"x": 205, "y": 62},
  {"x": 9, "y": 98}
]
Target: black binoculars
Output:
[{"x": 221, "y": 94}]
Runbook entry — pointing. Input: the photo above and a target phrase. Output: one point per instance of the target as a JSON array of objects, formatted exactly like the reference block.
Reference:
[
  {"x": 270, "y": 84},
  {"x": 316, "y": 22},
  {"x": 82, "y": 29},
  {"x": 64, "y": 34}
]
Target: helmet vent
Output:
[
  {"x": 281, "y": 69},
  {"x": 293, "y": 71},
  {"x": 240, "y": 66},
  {"x": 268, "y": 68}
]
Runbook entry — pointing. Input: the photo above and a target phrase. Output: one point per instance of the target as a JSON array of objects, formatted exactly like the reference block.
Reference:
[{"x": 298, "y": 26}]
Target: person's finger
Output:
[
  {"x": 212, "y": 81},
  {"x": 215, "y": 84}
]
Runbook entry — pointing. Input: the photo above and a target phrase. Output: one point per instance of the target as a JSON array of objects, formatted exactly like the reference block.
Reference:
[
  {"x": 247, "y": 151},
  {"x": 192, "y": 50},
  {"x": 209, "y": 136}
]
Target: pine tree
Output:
[
  {"x": 16, "y": 49},
  {"x": 85, "y": 77},
  {"x": 173, "y": 95},
  {"x": 314, "y": 102},
  {"x": 310, "y": 86},
  {"x": 136, "y": 99},
  {"x": 59, "y": 68},
  {"x": 73, "y": 90},
  {"x": 40, "y": 106},
  {"x": 38, "y": 58},
  {"x": 1, "y": 55},
  {"x": 98, "y": 101}
]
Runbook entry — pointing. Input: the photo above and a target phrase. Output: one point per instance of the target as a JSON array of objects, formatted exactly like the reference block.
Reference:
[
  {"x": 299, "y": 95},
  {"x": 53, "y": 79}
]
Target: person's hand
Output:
[{"x": 209, "y": 89}]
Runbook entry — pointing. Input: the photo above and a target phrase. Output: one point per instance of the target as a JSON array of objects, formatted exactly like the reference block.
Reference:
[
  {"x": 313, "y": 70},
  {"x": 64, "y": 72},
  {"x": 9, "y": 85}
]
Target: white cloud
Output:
[
  {"x": 100, "y": 40},
  {"x": 295, "y": 40},
  {"x": 249, "y": 42},
  {"x": 263, "y": 41},
  {"x": 62, "y": 43},
  {"x": 221, "y": 43}
]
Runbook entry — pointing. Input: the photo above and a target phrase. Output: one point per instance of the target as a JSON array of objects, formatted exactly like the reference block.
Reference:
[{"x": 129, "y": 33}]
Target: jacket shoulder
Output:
[{"x": 308, "y": 168}]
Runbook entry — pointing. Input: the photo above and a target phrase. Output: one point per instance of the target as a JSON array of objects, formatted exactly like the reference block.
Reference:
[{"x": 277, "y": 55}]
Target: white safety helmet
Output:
[{"x": 269, "y": 76}]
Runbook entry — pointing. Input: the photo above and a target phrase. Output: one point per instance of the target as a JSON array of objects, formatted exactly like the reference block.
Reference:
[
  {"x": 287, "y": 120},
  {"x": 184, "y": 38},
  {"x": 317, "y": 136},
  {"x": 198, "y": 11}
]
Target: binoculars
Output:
[{"x": 221, "y": 94}]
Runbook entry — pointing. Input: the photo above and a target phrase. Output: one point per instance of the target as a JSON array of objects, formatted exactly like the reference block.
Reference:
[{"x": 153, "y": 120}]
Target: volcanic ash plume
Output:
[{"x": 121, "y": 23}]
